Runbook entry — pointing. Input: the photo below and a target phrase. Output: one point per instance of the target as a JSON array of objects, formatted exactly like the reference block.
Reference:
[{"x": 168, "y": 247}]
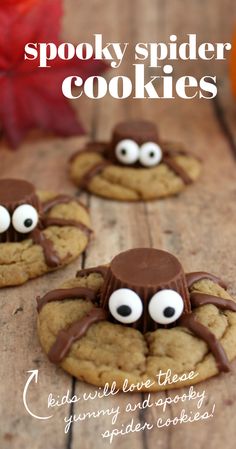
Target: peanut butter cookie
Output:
[
  {"x": 134, "y": 166},
  {"x": 137, "y": 316},
  {"x": 39, "y": 231}
]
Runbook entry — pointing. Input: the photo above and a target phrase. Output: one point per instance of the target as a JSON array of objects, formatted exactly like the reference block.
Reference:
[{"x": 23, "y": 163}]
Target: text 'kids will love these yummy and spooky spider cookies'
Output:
[
  {"x": 136, "y": 317},
  {"x": 134, "y": 165},
  {"x": 39, "y": 231}
]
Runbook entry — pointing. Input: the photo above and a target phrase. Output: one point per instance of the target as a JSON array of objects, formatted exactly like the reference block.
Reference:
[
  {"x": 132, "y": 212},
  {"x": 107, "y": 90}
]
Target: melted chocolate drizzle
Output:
[
  {"x": 173, "y": 149},
  {"x": 86, "y": 271},
  {"x": 200, "y": 275},
  {"x": 205, "y": 334},
  {"x": 173, "y": 165},
  {"x": 100, "y": 166},
  {"x": 60, "y": 199},
  {"x": 52, "y": 259},
  {"x": 66, "y": 293},
  {"x": 54, "y": 221},
  {"x": 66, "y": 337},
  {"x": 92, "y": 172},
  {"x": 200, "y": 299}
]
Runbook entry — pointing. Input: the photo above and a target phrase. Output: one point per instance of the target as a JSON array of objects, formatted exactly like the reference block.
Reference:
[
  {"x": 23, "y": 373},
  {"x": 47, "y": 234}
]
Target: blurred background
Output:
[
  {"x": 31, "y": 97},
  {"x": 152, "y": 21}
]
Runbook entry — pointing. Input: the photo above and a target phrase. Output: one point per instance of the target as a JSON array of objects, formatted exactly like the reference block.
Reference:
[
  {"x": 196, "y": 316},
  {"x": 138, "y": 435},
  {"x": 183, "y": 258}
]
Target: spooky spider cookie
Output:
[
  {"x": 137, "y": 316},
  {"x": 134, "y": 166},
  {"x": 39, "y": 232}
]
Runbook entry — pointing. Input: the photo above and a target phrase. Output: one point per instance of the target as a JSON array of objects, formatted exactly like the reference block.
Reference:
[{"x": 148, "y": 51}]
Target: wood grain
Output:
[{"x": 198, "y": 226}]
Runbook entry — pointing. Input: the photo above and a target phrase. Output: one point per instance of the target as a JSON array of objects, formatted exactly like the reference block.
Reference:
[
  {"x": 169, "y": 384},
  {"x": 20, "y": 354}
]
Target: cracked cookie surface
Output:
[
  {"x": 21, "y": 261},
  {"x": 111, "y": 351}
]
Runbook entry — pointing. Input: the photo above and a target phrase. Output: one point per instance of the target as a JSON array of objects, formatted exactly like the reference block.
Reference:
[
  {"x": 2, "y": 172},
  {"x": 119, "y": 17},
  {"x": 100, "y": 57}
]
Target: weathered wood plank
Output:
[{"x": 199, "y": 228}]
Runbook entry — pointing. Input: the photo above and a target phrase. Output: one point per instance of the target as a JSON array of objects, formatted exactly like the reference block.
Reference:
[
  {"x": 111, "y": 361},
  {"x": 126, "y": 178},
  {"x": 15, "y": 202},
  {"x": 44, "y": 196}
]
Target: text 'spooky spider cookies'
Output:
[
  {"x": 137, "y": 316},
  {"x": 39, "y": 232},
  {"x": 134, "y": 166}
]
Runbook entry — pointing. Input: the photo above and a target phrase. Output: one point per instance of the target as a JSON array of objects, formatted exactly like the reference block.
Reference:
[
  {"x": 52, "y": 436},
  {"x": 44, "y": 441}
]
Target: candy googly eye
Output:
[
  {"x": 127, "y": 151},
  {"x": 25, "y": 218},
  {"x": 166, "y": 306},
  {"x": 150, "y": 154},
  {"x": 5, "y": 219},
  {"x": 125, "y": 306}
]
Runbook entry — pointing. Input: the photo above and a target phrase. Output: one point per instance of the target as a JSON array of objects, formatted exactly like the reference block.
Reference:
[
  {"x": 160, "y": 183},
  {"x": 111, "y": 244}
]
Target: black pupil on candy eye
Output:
[
  {"x": 124, "y": 310},
  {"x": 151, "y": 154},
  {"x": 28, "y": 222},
  {"x": 123, "y": 152},
  {"x": 168, "y": 312}
]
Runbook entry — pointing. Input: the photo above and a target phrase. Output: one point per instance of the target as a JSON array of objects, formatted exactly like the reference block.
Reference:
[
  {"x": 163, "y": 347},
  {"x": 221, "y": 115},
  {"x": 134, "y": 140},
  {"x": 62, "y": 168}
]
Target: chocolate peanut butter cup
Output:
[
  {"x": 145, "y": 271},
  {"x": 13, "y": 194},
  {"x": 139, "y": 131}
]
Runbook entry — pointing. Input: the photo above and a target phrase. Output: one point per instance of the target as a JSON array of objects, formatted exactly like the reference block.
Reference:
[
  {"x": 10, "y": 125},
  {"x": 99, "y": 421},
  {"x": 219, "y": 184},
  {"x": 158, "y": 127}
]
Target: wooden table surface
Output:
[{"x": 198, "y": 226}]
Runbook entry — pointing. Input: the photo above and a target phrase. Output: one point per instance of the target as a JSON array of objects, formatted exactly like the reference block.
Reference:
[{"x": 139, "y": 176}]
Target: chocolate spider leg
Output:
[
  {"x": 173, "y": 149},
  {"x": 92, "y": 172},
  {"x": 66, "y": 337},
  {"x": 98, "y": 147},
  {"x": 60, "y": 199},
  {"x": 94, "y": 147},
  {"x": 173, "y": 165},
  {"x": 102, "y": 270},
  {"x": 189, "y": 321},
  {"x": 200, "y": 275},
  {"x": 66, "y": 293},
  {"x": 52, "y": 259},
  {"x": 200, "y": 299},
  {"x": 176, "y": 149},
  {"x": 54, "y": 221}
]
